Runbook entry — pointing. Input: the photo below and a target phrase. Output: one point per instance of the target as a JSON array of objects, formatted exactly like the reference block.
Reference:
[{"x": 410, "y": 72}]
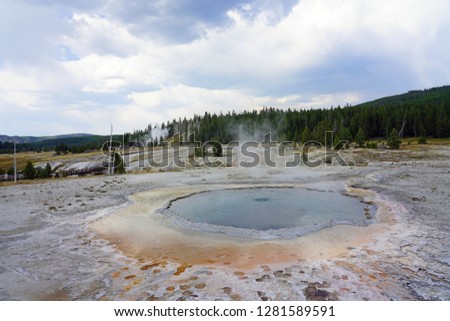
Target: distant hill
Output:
[
  {"x": 18, "y": 139},
  {"x": 438, "y": 95},
  {"x": 75, "y": 142},
  {"x": 33, "y": 139}
]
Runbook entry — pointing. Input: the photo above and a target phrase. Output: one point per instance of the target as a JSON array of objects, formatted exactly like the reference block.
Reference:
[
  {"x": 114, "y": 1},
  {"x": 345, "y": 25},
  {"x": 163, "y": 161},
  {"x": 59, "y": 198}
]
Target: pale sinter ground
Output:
[{"x": 83, "y": 239}]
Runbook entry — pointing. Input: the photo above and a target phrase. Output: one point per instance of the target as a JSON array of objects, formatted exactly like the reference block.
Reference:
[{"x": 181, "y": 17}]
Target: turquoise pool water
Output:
[{"x": 267, "y": 209}]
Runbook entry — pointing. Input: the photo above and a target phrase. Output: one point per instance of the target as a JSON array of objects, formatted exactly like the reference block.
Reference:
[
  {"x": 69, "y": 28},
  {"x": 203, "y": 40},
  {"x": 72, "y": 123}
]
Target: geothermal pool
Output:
[{"x": 271, "y": 212}]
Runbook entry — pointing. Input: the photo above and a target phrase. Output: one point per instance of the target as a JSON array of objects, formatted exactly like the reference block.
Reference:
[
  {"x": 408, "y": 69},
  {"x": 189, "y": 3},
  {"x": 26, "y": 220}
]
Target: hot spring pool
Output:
[{"x": 266, "y": 212}]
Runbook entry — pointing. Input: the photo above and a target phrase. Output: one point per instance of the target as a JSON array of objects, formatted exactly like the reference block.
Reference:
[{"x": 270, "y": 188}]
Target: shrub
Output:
[{"x": 422, "y": 140}]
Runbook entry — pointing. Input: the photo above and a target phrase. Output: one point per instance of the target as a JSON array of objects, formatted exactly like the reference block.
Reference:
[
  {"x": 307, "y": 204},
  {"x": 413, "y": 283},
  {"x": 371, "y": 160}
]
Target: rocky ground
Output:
[{"x": 87, "y": 238}]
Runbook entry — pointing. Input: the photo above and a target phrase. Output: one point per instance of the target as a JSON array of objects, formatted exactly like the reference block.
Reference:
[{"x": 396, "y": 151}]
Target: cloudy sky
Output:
[{"x": 77, "y": 66}]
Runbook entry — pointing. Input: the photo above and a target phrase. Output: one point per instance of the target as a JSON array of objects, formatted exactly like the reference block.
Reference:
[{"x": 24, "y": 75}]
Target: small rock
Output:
[
  {"x": 263, "y": 296},
  {"x": 313, "y": 293},
  {"x": 263, "y": 278}
]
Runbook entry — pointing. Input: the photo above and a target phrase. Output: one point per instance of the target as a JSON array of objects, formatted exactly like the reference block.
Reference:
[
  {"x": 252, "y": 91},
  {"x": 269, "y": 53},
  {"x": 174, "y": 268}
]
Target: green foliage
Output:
[
  {"x": 337, "y": 143},
  {"x": 308, "y": 125},
  {"x": 414, "y": 97},
  {"x": 319, "y": 132},
  {"x": 306, "y": 135},
  {"x": 61, "y": 148},
  {"x": 393, "y": 140},
  {"x": 11, "y": 170},
  {"x": 47, "y": 172},
  {"x": 38, "y": 172},
  {"x": 2, "y": 171},
  {"x": 422, "y": 135},
  {"x": 29, "y": 171},
  {"x": 360, "y": 137},
  {"x": 32, "y": 172},
  {"x": 345, "y": 135}
]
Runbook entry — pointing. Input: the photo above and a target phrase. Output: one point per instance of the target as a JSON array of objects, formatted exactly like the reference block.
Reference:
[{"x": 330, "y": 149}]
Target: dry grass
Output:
[
  {"x": 439, "y": 141},
  {"x": 412, "y": 144},
  {"x": 413, "y": 141},
  {"x": 7, "y": 160}
]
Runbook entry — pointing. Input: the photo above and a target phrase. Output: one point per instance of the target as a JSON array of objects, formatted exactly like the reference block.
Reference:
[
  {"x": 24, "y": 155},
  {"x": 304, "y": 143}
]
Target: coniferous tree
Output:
[
  {"x": 306, "y": 135},
  {"x": 422, "y": 135},
  {"x": 345, "y": 135},
  {"x": 337, "y": 143},
  {"x": 360, "y": 137},
  {"x": 393, "y": 140},
  {"x": 29, "y": 171},
  {"x": 47, "y": 172}
]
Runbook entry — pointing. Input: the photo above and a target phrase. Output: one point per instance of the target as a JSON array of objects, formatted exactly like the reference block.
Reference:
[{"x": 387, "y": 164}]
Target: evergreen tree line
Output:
[
  {"x": 419, "y": 113},
  {"x": 30, "y": 171},
  {"x": 356, "y": 123}
]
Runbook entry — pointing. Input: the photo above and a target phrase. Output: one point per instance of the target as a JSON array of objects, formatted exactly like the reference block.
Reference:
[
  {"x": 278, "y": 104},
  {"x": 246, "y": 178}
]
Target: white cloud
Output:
[
  {"x": 185, "y": 101},
  {"x": 97, "y": 35},
  {"x": 314, "y": 56},
  {"x": 254, "y": 51},
  {"x": 12, "y": 81},
  {"x": 19, "y": 89},
  {"x": 109, "y": 74},
  {"x": 112, "y": 59},
  {"x": 315, "y": 33}
]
